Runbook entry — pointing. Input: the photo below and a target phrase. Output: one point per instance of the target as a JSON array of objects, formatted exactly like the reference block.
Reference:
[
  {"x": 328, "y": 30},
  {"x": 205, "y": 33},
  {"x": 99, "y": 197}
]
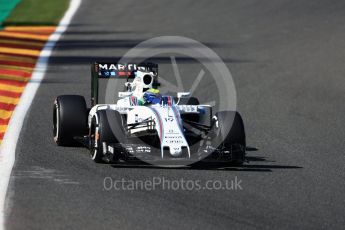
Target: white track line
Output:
[{"x": 9, "y": 143}]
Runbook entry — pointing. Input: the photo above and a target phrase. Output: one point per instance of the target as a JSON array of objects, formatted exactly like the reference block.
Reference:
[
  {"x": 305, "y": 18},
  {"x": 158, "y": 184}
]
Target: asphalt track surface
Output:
[{"x": 287, "y": 61}]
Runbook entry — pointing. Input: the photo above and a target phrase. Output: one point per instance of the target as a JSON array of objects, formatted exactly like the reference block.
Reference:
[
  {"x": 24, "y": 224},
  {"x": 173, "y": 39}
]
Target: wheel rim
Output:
[
  {"x": 93, "y": 140},
  {"x": 56, "y": 123}
]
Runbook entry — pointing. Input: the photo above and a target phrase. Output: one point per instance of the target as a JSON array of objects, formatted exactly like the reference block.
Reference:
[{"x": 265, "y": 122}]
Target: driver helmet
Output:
[{"x": 152, "y": 96}]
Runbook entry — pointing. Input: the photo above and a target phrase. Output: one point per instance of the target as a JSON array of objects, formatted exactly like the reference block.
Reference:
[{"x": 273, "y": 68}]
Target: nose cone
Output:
[{"x": 176, "y": 151}]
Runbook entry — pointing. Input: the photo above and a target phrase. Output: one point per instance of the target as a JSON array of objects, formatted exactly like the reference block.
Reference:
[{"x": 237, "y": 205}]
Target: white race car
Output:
[{"x": 143, "y": 124}]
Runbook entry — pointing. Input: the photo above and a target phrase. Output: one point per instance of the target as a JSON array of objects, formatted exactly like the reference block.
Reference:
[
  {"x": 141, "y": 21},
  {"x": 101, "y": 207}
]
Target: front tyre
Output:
[
  {"x": 106, "y": 128},
  {"x": 69, "y": 119},
  {"x": 230, "y": 136}
]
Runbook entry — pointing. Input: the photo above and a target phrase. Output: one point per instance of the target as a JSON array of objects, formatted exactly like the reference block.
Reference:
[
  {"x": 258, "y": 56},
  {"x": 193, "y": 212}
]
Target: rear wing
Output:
[{"x": 116, "y": 71}]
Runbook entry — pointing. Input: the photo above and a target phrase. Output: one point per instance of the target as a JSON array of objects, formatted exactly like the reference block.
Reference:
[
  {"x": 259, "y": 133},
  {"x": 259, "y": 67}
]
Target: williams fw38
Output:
[{"x": 140, "y": 123}]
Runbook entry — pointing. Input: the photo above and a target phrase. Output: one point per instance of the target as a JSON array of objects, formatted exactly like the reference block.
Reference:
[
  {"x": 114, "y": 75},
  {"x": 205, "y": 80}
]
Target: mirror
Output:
[
  {"x": 183, "y": 95},
  {"x": 125, "y": 94}
]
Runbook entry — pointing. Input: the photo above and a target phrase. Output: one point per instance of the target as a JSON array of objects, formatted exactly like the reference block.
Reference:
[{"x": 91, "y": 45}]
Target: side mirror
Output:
[
  {"x": 183, "y": 95},
  {"x": 125, "y": 94}
]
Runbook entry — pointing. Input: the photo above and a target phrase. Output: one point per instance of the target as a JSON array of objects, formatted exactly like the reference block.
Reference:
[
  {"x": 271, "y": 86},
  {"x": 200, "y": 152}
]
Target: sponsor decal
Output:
[{"x": 120, "y": 67}]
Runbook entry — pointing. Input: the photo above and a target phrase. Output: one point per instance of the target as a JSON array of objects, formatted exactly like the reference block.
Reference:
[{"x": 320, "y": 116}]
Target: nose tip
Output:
[{"x": 176, "y": 151}]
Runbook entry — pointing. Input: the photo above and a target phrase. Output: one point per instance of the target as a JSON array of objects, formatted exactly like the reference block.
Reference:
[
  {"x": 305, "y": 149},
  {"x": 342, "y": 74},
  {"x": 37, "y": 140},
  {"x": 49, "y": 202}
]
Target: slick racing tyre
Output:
[
  {"x": 69, "y": 119},
  {"x": 189, "y": 101},
  {"x": 233, "y": 140},
  {"x": 106, "y": 128}
]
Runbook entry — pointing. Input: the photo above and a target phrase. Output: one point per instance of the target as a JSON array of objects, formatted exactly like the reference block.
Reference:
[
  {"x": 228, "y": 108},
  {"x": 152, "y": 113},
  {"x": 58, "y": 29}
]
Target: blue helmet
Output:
[{"x": 152, "y": 97}]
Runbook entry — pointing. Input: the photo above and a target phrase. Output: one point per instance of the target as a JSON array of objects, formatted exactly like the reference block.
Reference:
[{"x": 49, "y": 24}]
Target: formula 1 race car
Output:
[{"x": 143, "y": 124}]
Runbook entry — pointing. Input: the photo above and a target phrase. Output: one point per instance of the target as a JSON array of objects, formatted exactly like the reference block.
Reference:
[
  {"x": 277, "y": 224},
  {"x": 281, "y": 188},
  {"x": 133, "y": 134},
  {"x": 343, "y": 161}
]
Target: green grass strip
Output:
[
  {"x": 37, "y": 12},
  {"x": 6, "y": 6}
]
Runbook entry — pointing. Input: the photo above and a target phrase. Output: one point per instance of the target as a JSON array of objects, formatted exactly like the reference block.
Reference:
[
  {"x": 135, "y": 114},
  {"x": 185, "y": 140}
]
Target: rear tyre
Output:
[
  {"x": 233, "y": 139},
  {"x": 189, "y": 101},
  {"x": 106, "y": 128},
  {"x": 69, "y": 119}
]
